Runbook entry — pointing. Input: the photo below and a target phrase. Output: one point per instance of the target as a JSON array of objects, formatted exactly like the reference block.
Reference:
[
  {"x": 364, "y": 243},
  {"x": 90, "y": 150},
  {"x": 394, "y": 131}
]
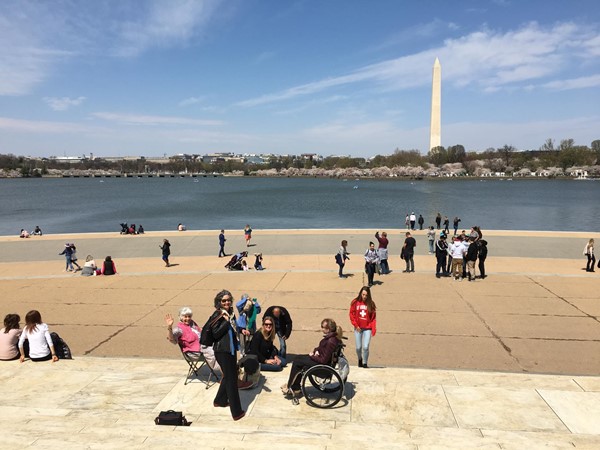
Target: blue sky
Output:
[{"x": 336, "y": 77}]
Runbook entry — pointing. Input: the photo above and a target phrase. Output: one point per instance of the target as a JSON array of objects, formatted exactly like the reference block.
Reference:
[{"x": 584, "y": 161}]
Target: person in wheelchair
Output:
[
  {"x": 187, "y": 334},
  {"x": 320, "y": 355},
  {"x": 262, "y": 346}
]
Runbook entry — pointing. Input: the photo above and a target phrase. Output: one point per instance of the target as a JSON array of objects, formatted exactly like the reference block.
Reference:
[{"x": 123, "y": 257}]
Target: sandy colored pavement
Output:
[{"x": 537, "y": 311}]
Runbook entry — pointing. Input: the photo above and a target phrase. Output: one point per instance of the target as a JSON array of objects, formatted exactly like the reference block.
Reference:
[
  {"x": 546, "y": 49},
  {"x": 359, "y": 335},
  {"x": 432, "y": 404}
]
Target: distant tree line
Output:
[{"x": 505, "y": 159}]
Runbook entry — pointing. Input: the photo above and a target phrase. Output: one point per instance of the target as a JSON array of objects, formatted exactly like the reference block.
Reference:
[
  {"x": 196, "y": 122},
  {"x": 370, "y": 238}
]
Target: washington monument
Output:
[{"x": 435, "y": 134}]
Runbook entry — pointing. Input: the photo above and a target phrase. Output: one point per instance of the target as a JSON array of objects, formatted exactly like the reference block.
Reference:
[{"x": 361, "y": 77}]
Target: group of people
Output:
[
  {"x": 25, "y": 234},
  {"x": 230, "y": 334},
  {"x": 131, "y": 229},
  {"x": 34, "y": 341},
  {"x": 89, "y": 267},
  {"x": 458, "y": 259}
]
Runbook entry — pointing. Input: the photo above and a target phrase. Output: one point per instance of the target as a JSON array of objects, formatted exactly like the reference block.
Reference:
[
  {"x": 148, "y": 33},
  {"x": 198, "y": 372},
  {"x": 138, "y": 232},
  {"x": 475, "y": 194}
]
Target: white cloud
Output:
[
  {"x": 63, "y": 103},
  {"x": 574, "y": 83},
  {"x": 40, "y": 126},
  {"x": 37, "y": 36},
  {"x": 191, "y": 101},
  {"x": 164, "y": 24},
  {"x": 136, "y": 119},
  {"x": 486, "y": 59}
]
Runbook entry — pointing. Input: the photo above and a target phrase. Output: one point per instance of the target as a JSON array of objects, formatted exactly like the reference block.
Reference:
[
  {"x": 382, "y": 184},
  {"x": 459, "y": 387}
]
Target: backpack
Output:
[{"x": 206, "y": 335}]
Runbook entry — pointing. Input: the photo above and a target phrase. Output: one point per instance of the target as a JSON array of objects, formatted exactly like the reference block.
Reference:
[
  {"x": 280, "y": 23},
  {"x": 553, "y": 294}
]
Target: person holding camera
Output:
[{"x": 224, "y": 332}]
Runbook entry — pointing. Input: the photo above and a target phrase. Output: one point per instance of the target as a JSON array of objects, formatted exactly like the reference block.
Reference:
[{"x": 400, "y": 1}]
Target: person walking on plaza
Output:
[
  {"x": 226, "y": 345},
  {"x": 283, "y": 326},
  {"x": 382, "y": 251},
  {"x": 431, "y": 239},
  {"x": 247, "y": 234},
  {"x": 222, "y": 244},
  {"x": 74, "y": 256},
  {"x": 371, "y": 260},
  {"x": 420, "y": 221},
  {"x": 68, "y": 251},
  {"x": 441, "y": 254},
  {"x": 166, "y": 252},
  {"x": 409, "y": 252},
  {"x": 483, "y": 251},
  {"x": 363, "y": 319},
  {"x": 340, "y": 258},
  {"x": 591, "y": 259},
  {"x": 438, "y": 220},
  {"x": 407, "y": 222}
]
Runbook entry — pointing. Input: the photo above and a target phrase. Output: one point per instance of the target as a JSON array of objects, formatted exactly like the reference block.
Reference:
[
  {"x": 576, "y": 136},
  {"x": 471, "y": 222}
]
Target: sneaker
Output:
[{"x": 365, "y": 366}]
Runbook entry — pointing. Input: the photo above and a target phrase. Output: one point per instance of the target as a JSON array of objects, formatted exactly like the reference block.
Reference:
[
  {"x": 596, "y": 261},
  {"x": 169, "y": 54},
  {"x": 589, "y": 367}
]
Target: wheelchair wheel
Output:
[{"x": 322, "y": 386}]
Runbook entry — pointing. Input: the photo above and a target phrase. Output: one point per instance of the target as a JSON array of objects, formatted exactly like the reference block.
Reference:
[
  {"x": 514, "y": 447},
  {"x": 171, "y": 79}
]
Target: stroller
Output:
[
  {"x": 124, "y": 228},
  {"x": 235, "y": 263}
]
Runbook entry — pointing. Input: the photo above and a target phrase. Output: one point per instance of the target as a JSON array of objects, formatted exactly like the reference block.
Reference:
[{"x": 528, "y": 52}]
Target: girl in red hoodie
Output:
[{"x": 363, "y": 319}]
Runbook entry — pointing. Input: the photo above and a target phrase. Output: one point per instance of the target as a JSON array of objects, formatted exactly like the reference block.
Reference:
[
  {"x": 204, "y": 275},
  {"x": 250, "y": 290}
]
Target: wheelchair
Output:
[{"x": 323, "y": 385}]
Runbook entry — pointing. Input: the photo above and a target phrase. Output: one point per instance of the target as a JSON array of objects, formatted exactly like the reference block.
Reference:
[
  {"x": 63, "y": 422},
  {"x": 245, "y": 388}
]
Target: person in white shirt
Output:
[
  {"x": 36, "y": 332},
  {"x": 457, "y": 250}
]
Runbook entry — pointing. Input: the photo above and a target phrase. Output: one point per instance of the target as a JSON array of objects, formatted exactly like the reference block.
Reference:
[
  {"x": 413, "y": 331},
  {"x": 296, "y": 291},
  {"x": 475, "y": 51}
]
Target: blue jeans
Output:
[
  {"x": 431, "y": 246},
  {"x": 282, "y": 348},
  {"x": 363, "y": 339},
  {"x": 264, "y": 367},
  {"x": 385, "y": 268}
]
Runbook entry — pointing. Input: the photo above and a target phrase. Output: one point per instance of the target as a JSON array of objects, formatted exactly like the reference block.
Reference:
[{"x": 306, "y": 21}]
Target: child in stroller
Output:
[
  {"x": 124, "y": 228},
  {"x": 235, "y": 263}
]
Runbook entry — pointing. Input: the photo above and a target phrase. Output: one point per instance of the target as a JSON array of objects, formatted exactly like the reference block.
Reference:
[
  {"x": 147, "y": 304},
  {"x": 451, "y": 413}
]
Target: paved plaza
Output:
[{"x": 505, "y": 362}]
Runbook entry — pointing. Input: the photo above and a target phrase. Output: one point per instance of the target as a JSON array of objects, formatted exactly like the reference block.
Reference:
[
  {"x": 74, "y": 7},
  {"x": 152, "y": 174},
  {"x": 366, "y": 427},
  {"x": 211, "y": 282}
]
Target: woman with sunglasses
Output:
[
  {"x": 363, "y": 319},
  {"x": 262, "y": 346},
  {"x": 320, "y": 355},
  {"x": 226, "y": 345}
]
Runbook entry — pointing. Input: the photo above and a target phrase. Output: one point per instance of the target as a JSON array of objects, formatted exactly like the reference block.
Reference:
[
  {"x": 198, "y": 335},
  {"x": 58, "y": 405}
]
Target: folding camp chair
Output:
[{"x": 195, "y": 365}]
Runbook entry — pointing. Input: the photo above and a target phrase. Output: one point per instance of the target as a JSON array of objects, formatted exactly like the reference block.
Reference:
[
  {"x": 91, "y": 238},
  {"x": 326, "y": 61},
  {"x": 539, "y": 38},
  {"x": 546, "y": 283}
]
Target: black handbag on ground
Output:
[{"x": 171, "y": 417}]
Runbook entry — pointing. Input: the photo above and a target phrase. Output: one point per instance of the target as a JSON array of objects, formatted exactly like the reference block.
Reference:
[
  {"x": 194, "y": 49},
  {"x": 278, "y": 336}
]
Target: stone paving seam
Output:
[
  {"x": 553, "y": 411},
  {"x": 566, "y": 301}
]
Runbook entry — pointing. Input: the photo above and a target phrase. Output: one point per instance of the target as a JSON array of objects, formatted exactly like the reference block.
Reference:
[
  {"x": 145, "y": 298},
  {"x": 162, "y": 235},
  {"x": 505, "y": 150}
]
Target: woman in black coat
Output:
[
  {"x": 226, "y": 345},
  {"x": 262, "y": 346}
]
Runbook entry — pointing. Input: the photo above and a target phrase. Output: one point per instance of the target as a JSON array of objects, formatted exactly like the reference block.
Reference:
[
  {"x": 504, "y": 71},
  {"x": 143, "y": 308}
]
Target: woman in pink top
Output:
[{"x": 9, "y": 338}]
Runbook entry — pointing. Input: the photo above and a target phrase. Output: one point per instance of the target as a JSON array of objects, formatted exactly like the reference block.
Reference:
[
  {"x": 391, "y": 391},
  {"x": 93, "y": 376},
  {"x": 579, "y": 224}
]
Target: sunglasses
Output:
[{"x": 267, "y": 324}]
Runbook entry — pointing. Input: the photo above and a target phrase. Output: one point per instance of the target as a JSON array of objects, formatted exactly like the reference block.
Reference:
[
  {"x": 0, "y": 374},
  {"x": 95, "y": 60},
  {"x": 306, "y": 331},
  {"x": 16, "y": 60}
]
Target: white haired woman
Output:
[{"x": 187, "y": 334}]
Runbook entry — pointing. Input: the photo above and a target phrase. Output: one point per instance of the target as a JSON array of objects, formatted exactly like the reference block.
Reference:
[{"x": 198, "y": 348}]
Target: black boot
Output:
[{"x": 360, "y": 364}]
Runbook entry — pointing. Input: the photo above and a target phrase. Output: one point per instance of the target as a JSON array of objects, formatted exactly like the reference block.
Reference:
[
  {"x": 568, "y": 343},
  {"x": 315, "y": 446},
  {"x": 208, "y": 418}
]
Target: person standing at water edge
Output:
[
  {"x": 591, "y": 259},
  {"x": 371, "y": 260},
  {"x": 413, "y": 220},
  {"x": 166, "y": 251},
  {"x": 363, "y": 319},
  {"x": 222, "y": 244},
  {"x": 247, "y": 234},
  {"x": 421, "y": 221},
  {"x": 409, "y": 252},
  {"x": 438, "y": 220},
  {"x": 382, "y": 252},
  {"x": 455, "y": 223}
]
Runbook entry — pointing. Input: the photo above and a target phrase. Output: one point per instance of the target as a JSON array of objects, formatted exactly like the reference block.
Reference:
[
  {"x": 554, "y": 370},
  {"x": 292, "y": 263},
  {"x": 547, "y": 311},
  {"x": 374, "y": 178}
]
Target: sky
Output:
[{"x": 335, "y": 77}]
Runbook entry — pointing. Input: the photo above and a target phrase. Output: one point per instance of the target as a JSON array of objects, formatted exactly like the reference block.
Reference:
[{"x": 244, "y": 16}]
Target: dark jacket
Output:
[
  {"x": 472, "y": 251},
  {"x": 482, "y": 248},
  {"x": 261, "y": 347},
  {"x": 283, "y": 325},
  {"x": 225, "y": 340},
  {"x": 441, "y": 248},
  {"x": 325, "y": 349}
]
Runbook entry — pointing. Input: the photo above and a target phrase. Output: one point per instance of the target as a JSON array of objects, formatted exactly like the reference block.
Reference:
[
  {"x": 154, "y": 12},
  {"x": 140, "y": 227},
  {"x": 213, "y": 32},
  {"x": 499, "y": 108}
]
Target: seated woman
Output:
[
  {"x": 41, "y": 347},
  {"x": 187, "y": 335},
  {"x": 320, "y": 355},
  {"x": 89, "y": 268},
  {"x": 108, "y": 267},
  {"x": 262, "y": 346},
  {"x": 9, "y": 338},
  {"x": 24, "y": 233}
]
